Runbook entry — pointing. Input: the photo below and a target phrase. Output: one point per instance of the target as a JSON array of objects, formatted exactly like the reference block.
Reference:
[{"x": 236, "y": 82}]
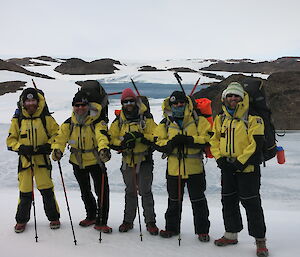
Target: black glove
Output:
[
  {"x": 188, "y": 140},
  {"x": 26, "y": 150},
  {"x": 223, "y": 164},
  {"x": 137, "y": 134},
  {"x": 177, "y": 140},
  {"x": 104, "y": 155},
  {"x": 238, "y": 165},
  {"x": 128, "y": 141},
  {"x": 44, "y": 149}
]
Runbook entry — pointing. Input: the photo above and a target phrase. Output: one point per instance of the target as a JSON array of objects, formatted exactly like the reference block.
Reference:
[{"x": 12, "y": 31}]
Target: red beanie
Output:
[{"x": 127, "y": 92}]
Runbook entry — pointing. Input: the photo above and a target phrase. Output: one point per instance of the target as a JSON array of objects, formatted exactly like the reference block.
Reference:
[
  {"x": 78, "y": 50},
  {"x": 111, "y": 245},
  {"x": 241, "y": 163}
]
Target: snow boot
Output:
[
  {"x": 125, "y": 226},
  {"x": 261, "y": 249},
  {"x": 203, "y": 237},
  {"x": 87, "y": 222},
  {"x": 223, "y": 241},
  {"x": 167, "y": 233},
  {"x": 55, "y": 224},
  {"x": 103, "y": 228},
  {"x": 20, "y": 227},
  {"x": 152, "y": 228}
]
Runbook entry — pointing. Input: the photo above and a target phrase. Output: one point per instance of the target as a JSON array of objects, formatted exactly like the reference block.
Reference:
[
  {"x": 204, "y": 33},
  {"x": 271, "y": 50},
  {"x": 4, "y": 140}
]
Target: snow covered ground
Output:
[{"x": 280, "y": 193}]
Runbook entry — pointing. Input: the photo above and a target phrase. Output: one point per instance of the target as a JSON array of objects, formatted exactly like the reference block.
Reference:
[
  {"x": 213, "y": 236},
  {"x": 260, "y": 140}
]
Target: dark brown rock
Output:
[
  {"x": 149, "y": 68},
  {"x": 279, "y": 65},
  {"x": 9, "y": 66},
  {"x": 75, "y": 66},
  {"x": 181, "y": 69},
  {"x": 11, "y": 86}
]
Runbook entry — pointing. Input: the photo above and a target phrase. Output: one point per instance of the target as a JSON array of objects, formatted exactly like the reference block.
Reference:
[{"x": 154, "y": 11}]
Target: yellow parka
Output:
[
  {"x": 32, "y": 133},
  {"x": 84, "y": 140},
  {"x": 196, "y": 126},
  {"x": 238, "y": 136},
  {"x": 121, "y": 126}
]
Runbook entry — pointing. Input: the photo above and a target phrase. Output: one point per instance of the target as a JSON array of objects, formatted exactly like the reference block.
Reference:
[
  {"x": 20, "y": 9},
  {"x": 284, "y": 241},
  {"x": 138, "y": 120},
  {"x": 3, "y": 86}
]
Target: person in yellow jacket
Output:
[
  {"x": 182, "y": 136},
  {"x": 86, "y": 134},
  {"x": 236, "y": 145},
  {"x": 132, "y": 134},
  {"x": 30, "y": 135}
]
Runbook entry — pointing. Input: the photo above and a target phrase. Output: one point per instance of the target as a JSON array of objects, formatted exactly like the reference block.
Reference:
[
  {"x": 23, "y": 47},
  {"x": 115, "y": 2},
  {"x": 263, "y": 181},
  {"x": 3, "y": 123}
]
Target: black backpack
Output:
[
  {"x": 97, "y": 94},
  {"x": 258, "y": 105}
]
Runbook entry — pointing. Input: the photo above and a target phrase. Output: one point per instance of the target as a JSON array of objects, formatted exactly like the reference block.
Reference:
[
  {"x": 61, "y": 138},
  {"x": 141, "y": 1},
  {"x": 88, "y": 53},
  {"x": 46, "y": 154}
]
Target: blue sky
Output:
[{"x": 150, "y": 29}]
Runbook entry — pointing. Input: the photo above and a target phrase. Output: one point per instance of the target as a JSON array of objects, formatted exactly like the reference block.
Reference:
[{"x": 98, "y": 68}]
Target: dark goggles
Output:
[
  {"x": 232, "y": 95},
  {"x": 83, "y": 105},
  {"x": 127, "y": 102}
]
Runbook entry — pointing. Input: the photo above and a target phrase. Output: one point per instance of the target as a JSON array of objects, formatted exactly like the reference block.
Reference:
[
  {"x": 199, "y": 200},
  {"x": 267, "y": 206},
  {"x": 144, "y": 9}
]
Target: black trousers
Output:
[
  {"x": 196, "y": 185},
  {"x": 93, "y": 208},
  {"x": 242, "y": 187},
  {"x": 50, "y": 206}
]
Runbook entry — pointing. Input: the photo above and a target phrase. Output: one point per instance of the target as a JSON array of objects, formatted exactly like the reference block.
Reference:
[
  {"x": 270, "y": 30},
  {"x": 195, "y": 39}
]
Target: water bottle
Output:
[{"x": 280, "y": 155}]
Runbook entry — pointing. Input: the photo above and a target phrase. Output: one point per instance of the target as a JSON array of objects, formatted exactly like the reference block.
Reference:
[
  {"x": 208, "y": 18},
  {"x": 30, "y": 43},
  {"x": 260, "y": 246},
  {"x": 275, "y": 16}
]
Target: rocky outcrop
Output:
[
  {"x": 11, "y": 86},
  {"x": 282, "y": 93},
  {"x": 149, "y": 68},
  {"x": 75, "y": 66},
  {"x": 279, "y": 65},
  {"x": 181, "y": 69},
  {"x": 9, "y": 66}
]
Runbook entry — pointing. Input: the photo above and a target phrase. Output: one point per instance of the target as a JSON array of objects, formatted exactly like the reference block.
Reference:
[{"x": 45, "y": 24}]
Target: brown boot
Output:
[{"x": 261, "y": 249}]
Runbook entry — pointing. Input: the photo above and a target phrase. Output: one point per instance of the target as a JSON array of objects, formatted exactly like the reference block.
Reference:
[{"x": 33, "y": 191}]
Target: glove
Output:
[
  {"x": 222, "y": 163},
  {"x": 128, "y": 141},
  {"x": 137, "y": 134},
  {"x": 44, "y": 149},
  {"x": 26, "y": 150},
  {"x": 238, "y": 165},
  {"x": 188, "y": 140},
  {"x": 56, "y": 155},
  {"x": 182, "y": 140},
  {"x": 104, "y": 155}
]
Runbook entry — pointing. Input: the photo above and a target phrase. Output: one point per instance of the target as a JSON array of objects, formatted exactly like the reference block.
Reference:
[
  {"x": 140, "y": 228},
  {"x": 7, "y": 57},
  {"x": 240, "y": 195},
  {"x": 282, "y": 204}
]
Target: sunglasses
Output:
[
  {"x": 127, "y": 102},
  {"x": 179, "y": 102},
  {"x": 78, "y": 105},
  {"x": 231, "y": 95}
]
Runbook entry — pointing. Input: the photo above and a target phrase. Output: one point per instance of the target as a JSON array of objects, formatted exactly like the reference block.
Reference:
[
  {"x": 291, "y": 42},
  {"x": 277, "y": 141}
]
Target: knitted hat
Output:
[
  {"x": 234, "y": 88},
  {"x": 127, "y": 92},
  {"x": 29, "y": 93},
  {"x": 80, "y": 97},
  {"x": 177, "y": 96}
]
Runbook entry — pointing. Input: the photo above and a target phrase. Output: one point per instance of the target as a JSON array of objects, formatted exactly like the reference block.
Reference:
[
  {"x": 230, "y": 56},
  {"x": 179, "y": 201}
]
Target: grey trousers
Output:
[{"x": 143, "y": 179}]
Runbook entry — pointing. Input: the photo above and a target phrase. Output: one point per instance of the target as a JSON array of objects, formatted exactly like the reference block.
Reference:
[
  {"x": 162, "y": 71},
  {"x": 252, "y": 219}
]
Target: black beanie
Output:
[
  {"x": 29, "y": 93},
  {"x": 177, "y": 96},
  {"x": 80, "y": 97}
]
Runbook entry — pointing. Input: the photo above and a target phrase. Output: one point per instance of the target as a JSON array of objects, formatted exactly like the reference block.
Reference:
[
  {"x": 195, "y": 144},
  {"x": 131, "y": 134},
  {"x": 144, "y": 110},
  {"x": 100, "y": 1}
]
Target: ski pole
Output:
[
  {"x": 68, "y": 208},
  {"x": 195, "y": 87},
  {"x": 115, "y": 93},
  {"x": 179, "y": 195},
  {"x": 135, "y": 171},
  {"x": 179, "y": 81},
  {"x": 101, "y": 204},
  {"x": 33, "y": 201},
  {"x": 137, "y": 91}
]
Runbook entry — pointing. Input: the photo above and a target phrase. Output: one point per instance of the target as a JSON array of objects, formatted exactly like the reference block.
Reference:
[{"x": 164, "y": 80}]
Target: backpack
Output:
[
  {"x": 45, "y": 112},
  {"x": 258, "y": 104},
  {"x": 97, "y": 94}
]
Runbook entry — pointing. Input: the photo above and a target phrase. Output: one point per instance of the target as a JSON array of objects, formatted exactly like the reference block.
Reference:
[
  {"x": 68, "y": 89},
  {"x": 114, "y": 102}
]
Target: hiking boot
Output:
[
  {"x": 55, "y": 224},
  {"x": 20, "y": 227},
  {"x": 223, "y": 241},
  {"x": 203, "y": 237},
  {"x": 167, "y": 233},
  {"x": 152, "y": 228},
  {"x": 103, "y": 228},
  {"x": 261, "y": 249},
  {"x": 87, "y": 222},
  {"x": 125, "y": 226}
]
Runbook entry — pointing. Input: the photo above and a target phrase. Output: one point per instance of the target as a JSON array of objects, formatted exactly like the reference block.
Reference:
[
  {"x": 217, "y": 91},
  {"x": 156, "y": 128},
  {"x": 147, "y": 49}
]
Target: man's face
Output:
[
  {"x": 128, "y": 104},
  {"x": 80, "y": 108},
  {"x": 31, "y": 106},
  {"x": 232, "y": 100}
]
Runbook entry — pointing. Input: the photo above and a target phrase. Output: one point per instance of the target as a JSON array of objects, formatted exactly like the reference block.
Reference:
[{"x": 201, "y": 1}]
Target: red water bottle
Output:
[
  {"x": 208, "y": 153},
  {"x": 280, "y": 155}
]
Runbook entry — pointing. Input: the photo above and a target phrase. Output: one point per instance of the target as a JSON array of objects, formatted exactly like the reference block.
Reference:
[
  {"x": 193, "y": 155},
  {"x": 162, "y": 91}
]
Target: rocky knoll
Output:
[
  {"x": 27, "y": 61},
  {"x": 282, "y": 93},
  {"x": 11, "y": 86},
  {"x": 281, "y": 64},
  {"x": 75, "y": 66},
  {"x": 9, "y": 66}
]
